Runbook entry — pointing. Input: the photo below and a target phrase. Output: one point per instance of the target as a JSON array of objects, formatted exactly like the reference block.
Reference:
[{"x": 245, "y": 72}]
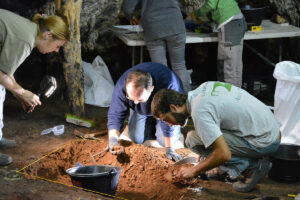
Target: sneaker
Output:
[
  {"x": 7, "y": 144},
  {"x": 5, "y": 159},
  {"x": 263, "y": 167}
]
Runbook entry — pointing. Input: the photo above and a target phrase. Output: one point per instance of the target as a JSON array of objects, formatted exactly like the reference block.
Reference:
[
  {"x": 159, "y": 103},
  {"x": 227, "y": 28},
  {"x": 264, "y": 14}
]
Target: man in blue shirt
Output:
[{"x": 134, "y": 90}]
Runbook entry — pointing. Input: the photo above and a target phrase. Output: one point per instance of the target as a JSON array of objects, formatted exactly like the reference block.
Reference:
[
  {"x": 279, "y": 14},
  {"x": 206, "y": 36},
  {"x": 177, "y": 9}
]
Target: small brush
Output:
[{"x": 79, "y": 121}]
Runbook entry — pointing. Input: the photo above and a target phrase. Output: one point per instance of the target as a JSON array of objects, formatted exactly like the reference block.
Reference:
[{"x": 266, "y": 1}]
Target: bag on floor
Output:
[
  {"x": 98, "y": 84},
  {"x": 287, "y": 101}
]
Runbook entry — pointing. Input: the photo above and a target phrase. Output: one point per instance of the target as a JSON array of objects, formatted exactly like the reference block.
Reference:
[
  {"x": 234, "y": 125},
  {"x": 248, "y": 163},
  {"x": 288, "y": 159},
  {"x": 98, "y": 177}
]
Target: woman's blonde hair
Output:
[{"x": 54, "y": 24}]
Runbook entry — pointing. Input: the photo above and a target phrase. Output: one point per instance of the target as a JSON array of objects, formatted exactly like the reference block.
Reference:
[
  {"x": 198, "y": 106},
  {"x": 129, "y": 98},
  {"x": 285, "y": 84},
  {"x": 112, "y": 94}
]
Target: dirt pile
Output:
[{"x": 146, "y": 172}]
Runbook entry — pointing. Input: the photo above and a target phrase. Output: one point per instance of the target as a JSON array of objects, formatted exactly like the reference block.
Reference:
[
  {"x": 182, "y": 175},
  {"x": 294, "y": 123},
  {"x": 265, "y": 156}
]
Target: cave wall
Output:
[
  {"x": 97, "y": 16},
  {"x": 289, "y": 9}
]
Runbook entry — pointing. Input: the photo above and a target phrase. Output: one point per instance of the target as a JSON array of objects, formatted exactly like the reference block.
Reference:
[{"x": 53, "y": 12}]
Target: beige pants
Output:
[
  {"x": 2, "y": 98},
  {"x": 230, "y": 52}
]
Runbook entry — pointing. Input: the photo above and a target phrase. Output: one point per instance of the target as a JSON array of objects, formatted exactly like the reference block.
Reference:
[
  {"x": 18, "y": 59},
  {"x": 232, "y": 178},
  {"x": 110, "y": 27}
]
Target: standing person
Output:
[
  {"x": 231, "y": 29},
  {"x": 18, "y": 36},
  {"x": 134, "y": 91},
  {"x": 164, "y": 29},
  {"x": 233, "y": 130}
]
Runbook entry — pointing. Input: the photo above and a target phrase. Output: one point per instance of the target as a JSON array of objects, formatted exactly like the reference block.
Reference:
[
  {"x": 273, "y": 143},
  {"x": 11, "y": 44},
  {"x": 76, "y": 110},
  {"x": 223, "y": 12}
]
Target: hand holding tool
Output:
[{"x": 47, "y": 88}]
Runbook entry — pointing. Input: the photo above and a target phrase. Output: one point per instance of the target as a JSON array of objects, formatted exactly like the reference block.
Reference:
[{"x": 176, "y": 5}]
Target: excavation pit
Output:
[{"x": 143, "y": 174}]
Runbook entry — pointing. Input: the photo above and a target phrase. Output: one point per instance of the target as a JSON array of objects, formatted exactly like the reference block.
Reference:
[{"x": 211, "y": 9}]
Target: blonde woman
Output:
[{"x": 18, "y": 36}]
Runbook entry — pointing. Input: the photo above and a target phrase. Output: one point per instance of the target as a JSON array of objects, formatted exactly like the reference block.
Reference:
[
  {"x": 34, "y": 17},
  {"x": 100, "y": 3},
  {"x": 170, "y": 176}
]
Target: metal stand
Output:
[{"x": 259, "y": 54}]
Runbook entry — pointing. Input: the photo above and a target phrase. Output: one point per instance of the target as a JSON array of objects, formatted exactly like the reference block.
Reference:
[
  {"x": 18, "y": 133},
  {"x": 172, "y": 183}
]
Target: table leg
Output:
[
  {"x": 280, "y": 50},
  {"x": 133, "y": 56},
  {"x": 141, "y": 54},
  {"x": 259, "y": 54}
]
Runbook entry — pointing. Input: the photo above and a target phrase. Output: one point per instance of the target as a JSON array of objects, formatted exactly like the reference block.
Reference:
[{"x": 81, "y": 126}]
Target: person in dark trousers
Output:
[
  {"x": 231, "y": 26},
  {"x": 18, "y": 36},
  {"x": 164, "y": 30},
  {"x": 234, "y": 131},
  {"x": 134, "y": 91}
]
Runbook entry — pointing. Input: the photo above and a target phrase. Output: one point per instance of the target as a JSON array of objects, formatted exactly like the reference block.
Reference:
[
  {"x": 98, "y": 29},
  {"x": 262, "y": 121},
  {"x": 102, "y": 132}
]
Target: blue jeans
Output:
[
  {"x": 175, "y": 45},
  {"x": 243, "y": 154},
  {"x": 142, "y": 128}
]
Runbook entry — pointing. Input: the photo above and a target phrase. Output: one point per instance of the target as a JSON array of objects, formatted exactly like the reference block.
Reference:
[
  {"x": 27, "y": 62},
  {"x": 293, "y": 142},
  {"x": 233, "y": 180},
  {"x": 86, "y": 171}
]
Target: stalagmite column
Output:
[{"x": 72, "y": 64}]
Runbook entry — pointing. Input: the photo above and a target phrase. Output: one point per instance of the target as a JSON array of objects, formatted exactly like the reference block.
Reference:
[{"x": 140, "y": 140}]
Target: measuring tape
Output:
[{"x": 255, "y": 28}]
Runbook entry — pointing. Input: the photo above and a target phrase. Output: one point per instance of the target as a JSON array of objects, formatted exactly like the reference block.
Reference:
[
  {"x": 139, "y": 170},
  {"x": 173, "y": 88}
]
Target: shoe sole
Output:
[{"x": 9, "y": 161}]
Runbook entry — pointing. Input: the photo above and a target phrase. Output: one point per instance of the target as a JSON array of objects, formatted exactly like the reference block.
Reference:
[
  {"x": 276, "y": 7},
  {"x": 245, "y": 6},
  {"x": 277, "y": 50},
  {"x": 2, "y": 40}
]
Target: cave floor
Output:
[{"x": 31, "y": 145}]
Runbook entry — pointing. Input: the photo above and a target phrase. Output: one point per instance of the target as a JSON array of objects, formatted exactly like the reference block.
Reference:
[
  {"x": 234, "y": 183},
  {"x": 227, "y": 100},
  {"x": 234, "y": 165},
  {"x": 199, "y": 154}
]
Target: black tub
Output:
[
  {"x": 253, "y": 15},
  {"x": 100, "y": 178},
  {"x": 286, "y": 164}
]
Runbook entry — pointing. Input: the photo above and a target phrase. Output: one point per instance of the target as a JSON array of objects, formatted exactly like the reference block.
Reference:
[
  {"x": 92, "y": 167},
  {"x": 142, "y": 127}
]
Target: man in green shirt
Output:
[
  {"x": 234, "y": 131},
  {"x": 231, "y": 28}
]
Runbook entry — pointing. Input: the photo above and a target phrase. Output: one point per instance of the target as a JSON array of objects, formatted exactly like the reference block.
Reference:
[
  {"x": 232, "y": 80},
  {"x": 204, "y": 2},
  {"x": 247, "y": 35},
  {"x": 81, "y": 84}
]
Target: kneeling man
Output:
[{"x": 234, "y": 131}]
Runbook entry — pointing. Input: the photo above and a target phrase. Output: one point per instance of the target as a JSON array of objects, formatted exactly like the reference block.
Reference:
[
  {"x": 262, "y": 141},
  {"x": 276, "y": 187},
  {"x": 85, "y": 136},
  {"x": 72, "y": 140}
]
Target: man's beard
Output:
[{"x": 180, "y": 118}]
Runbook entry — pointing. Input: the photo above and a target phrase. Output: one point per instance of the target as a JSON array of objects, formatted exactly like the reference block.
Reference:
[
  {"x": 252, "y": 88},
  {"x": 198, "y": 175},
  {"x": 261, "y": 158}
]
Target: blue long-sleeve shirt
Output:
[{"x": 162, "y": 77}]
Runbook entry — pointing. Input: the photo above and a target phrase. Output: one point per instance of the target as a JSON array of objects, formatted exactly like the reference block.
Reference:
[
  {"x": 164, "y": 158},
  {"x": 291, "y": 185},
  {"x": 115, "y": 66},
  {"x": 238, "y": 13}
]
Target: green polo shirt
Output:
[
  {"x": 17, "y": 39},
  {"x": 221, "y": 10}
]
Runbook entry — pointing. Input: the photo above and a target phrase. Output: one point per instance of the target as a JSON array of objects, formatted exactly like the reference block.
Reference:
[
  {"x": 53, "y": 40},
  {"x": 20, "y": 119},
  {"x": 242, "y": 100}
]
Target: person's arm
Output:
[
  {"x": 134, "y": 21},
  {"x": 116, "y": 116},
  {"x": 128, "y": 8},
  {"x": 170, "y": 152},
  {"x": 26, "y": 96},
  {"x": 167, "y": 142},
  {"x": 209, "y": 6},
  {"x": 220, "y": 154},
  {"x": 173, "y": 84},
  {"x": 168, "y": 133}
]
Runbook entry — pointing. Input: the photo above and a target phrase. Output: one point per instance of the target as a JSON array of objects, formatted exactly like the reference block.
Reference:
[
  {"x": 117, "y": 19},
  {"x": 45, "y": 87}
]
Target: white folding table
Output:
[{"x": 269, "y": 30}]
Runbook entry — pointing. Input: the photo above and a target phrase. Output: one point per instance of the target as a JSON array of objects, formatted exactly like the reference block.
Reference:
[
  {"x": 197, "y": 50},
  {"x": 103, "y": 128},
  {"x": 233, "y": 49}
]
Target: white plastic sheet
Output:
[
  {"x": 98, "y": 84},
  {"x": 287, "y": 101}
]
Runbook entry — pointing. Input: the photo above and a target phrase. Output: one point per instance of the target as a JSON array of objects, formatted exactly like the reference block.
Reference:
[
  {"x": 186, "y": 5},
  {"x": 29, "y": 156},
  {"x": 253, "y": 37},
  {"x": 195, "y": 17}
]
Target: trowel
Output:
[{"x": 191, "y": 160}]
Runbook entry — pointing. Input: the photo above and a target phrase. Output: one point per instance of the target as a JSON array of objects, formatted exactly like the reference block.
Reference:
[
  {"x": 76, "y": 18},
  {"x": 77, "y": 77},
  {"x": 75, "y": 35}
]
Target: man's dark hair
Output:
[
  {"x": 162, "y": 100},
  {"x": 139, "y": 78}
]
